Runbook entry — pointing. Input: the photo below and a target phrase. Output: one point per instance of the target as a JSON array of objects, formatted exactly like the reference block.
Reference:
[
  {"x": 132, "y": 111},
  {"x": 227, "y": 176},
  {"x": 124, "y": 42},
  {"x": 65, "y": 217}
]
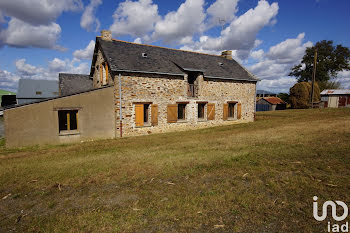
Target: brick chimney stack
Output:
[
  {"x": 106, "y": 35},
  {"x": 227, "y": 54}
]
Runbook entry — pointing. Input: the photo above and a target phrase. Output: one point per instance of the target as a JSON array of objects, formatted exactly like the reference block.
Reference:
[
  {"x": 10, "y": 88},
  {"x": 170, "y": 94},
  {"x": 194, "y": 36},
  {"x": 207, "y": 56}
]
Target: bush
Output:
[{"x": 300, "y": 95}]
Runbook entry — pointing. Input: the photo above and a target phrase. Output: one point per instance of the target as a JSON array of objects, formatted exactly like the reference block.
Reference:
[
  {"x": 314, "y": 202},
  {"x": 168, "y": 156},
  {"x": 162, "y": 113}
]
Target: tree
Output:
[
  {"x": 299, "y": 95},
  {"x": 284, "y": 97},
  {"x": 330, "y": 61}
]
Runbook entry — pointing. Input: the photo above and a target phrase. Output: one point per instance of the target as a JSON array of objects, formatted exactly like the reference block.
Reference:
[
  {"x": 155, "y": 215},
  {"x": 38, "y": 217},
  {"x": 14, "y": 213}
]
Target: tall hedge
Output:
[{"x": 299, "y": 96}]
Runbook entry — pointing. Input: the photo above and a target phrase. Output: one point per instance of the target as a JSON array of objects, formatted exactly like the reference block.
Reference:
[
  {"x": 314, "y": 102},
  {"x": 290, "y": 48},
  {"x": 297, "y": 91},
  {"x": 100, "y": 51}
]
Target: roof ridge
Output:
[{"x": 156, "y": 46}]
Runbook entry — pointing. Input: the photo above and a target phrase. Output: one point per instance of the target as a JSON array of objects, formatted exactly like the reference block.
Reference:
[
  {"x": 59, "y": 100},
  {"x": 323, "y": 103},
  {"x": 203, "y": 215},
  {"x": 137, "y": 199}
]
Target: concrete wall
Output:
[
  {"x": 164, "y": 89},
  {"x": 38, "y": 123}
]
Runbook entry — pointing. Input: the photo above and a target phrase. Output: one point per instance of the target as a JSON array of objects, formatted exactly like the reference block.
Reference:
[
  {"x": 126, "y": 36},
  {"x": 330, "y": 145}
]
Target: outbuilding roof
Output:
[
  {"x": 37, "y": 89},
  {"x": 336, "y": 92},
  {"x": 74, "y": 83},
  {"x": 131, "y": 57},
  {"x": 273, "y": 100}
]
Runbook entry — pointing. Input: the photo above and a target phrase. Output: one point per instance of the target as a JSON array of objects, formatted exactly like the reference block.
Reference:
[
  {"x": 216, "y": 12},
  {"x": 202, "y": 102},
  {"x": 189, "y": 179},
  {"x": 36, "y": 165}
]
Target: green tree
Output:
[
  {"x": 299, "y": 95},
  {"x": 330, "y": 61},
  {"x": 284, "y": 97}
]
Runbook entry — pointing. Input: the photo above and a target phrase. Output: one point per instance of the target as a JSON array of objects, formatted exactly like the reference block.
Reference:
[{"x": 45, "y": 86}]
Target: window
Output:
[
  {"x": 201, "y": 107},
  {"x": 231, "y": 110},
  {"x": 67, "y": 120},
  {"x": 103, "y": 73},
  {"x": 145, "y": 113},
  {"x": 38, "y": 93},
  {"x": 142, "y": 114},
  {"x": 181, "y": 111}
]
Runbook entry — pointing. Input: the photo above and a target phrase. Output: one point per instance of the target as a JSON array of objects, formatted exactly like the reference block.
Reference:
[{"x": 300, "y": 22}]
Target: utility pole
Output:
[{"x": 313, "y": 79}]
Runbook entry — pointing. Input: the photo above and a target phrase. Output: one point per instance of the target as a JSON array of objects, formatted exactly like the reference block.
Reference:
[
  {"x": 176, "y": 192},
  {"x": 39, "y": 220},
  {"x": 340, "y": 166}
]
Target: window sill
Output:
[
  {"x": 202, "y": 120},
  {"x": 68, "y": 132},
  {"x": 181, "y": 121},
  {"x": 231, "y": 119},
  {"x": 145, "y": 126}
]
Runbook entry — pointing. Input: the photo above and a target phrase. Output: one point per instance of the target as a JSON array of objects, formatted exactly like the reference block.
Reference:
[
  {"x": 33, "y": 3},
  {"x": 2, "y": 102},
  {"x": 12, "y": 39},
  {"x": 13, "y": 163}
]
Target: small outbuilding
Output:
[
  {"x": 30, "y": 90},
  {"x": 335, "y": 98},
  {"x": 270, "y": 104}
]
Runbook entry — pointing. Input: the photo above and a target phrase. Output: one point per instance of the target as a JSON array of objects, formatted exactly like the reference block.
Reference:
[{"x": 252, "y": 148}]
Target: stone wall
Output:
[
  {"x": 164, "y": 90},
  {"x": 96, "y": 76}
]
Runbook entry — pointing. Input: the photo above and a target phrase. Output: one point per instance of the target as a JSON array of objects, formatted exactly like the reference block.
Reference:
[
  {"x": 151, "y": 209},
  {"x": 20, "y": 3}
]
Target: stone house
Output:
[{"x": 142, "y": 89}]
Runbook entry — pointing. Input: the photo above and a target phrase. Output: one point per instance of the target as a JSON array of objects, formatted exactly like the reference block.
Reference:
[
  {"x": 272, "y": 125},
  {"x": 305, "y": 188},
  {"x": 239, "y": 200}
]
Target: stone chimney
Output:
[
  {"x": 106, "y": 35},
  {"x": 227, "y": 54}
]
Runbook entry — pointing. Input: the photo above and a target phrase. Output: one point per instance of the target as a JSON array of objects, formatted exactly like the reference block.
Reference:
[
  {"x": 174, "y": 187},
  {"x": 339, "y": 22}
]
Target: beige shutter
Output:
[
  {"x": 172, "y": 113},
  {"x": 154, "y": 114},
  {"x": 211, "y": 112},
  {"x": 239, "y": 111},
  {"x": 139, "y": 115},
  {"x": 225, "y": 112}
]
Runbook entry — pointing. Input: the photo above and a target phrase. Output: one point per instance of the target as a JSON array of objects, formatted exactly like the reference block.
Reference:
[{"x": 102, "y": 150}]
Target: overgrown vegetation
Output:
[
  {"x": 256, "y": 177},
  {"x": 300, "y": 95}
]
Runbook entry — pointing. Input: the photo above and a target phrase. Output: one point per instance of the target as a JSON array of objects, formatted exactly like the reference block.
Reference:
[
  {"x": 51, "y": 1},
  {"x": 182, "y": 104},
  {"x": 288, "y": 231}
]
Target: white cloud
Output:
[
  {"x": 241, "y": 34},
  {"x": 138, "y": 40},
  {"x": 22, "y": 34},
  {"x": 289, "y": 50},
  {"x": 8, "y": 80},
  {"x": 25, "y": 69},
  {"x": 88, "y": 20},
  {"x": 282, "y": 84},
  {"x": 222, "y": 10},
  {"x": 38, "y": 12},
  {"x": 85, "y": 53},
  {"x": 274, "y": 66},
  {"x": 183, "y": 23},
  {"x": 344, "y": 79},
  {"x": 134, "y": 18}
]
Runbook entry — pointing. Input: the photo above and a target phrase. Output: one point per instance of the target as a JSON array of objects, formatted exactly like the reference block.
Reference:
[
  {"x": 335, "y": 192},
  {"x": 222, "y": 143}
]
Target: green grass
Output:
[{"x": 256, "y": 177}]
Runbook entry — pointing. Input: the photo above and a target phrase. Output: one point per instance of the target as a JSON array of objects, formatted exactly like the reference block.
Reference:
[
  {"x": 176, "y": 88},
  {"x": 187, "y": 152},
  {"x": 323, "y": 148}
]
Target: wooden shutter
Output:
[
  {"x": 211, "y": 112},
  {"x": 139, "y": 115},
  {"x": 172, "y": 113},
  {"x": 239, "y": 111},
  {"x": 225, "y": 112},
  {"x": 154, "y": 114}
]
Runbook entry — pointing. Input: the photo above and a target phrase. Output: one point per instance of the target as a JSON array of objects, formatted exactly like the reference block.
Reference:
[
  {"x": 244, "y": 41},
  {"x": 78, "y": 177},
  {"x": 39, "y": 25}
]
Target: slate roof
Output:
[
  {"x": 126, "y": 56},
  {"x": 37, "y": 89},
  {"x": 74, "y": 83},
  {"x": 336, "y": 92}
]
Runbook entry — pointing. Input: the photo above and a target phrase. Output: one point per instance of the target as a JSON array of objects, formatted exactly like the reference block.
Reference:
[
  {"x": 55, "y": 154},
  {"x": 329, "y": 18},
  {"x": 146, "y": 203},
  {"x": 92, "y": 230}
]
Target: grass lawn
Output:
[{"x": 256, "y": 177}]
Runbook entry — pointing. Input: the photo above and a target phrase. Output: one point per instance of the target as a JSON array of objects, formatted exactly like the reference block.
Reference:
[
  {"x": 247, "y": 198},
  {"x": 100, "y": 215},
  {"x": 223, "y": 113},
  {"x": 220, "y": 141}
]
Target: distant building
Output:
[
  {"x": 30, "y": 90},
  {"x": 263, "y": 93},
  {"x": 4, "y": 92},
  {"x": 335, "y": 98},
  {"x": 270, "y": 104}
]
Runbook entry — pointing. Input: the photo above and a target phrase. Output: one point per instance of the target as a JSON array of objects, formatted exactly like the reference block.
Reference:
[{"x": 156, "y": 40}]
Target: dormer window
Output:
[
  {"x": 103, "y": 73},
  {"x": 144, "y": 55},
  {"x": 221, "y": 64}
]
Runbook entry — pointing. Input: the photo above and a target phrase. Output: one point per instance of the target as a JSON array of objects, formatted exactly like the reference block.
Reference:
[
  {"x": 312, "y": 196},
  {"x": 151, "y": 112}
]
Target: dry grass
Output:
[{"x": 256, "y": 177}]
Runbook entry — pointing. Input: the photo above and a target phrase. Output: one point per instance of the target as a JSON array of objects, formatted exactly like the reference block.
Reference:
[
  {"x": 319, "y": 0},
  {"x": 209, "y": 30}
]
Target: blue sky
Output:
[{"x": 40, "y": 38}]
